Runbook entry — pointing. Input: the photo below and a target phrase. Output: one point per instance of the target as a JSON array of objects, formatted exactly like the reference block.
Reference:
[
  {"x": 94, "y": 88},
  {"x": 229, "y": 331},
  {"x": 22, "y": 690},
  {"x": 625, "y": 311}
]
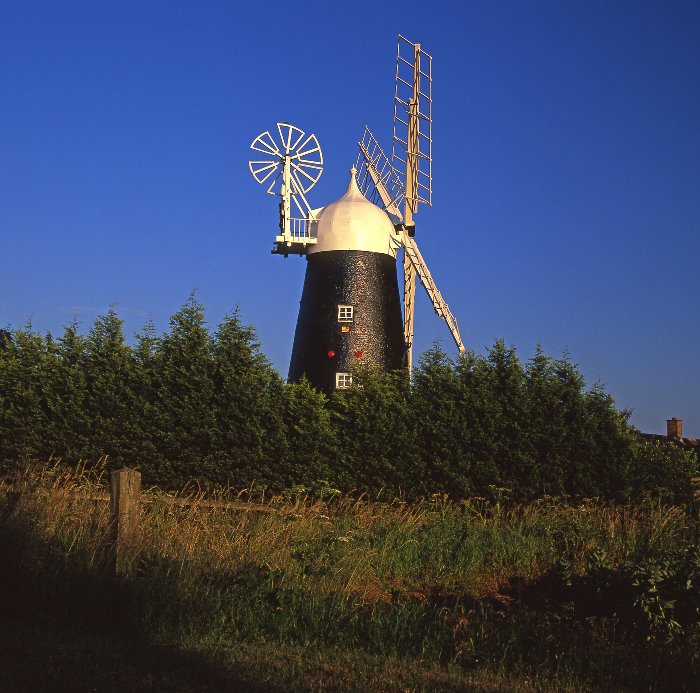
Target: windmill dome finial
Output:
[{"x": 353, "y": 182}]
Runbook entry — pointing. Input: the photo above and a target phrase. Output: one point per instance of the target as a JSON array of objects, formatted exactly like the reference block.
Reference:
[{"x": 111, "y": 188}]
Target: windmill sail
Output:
[
  {"x": 406, "y": 181},
  {"x": 412, "y": 139},
  {"x": 439, "y": 303},
  {"x": 372, "y": 166}
]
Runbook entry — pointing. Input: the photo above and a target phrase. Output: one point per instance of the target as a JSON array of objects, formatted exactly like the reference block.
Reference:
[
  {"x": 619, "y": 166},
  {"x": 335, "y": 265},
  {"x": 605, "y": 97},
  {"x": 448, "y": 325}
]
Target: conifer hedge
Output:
[{"x": 195, "y": 404}]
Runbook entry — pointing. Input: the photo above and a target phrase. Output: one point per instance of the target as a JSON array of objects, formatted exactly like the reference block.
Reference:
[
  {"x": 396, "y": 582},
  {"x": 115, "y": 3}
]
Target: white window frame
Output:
[
  {"x": 343, "y": 381},
  {"x": 346, "y": 313}
]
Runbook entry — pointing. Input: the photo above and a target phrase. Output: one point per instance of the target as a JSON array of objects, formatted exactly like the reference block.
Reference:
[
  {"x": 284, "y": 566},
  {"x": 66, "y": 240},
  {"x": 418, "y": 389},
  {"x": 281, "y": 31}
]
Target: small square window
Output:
[
  {"x": 345, "y": 313},
  {"x": 343, "y": 381}
]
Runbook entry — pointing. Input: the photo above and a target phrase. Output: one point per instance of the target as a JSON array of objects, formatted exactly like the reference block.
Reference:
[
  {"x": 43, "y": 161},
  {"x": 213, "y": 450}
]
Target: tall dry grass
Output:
[
  {"x": 433, "y": 579},
  {"x": 344, "y": 544}
]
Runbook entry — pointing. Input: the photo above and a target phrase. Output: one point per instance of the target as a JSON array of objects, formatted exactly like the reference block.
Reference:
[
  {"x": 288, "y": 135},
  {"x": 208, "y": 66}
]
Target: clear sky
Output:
[{"x": 566, "y": 177}]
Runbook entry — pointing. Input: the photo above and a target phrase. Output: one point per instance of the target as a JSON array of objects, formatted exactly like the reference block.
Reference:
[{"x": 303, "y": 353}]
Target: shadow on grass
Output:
[
  {"x": 68, "y": 628},
  {"x": 53, "y": 656}
]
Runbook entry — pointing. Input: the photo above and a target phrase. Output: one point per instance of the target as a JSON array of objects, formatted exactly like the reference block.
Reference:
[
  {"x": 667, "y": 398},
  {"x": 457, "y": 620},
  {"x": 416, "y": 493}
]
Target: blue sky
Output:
[{"x": 566, "y": 177}]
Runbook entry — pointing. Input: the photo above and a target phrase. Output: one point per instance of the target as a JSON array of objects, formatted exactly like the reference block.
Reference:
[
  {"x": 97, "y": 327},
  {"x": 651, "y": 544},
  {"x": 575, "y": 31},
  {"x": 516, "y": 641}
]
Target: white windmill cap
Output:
[{"x": 354, "y": 223}]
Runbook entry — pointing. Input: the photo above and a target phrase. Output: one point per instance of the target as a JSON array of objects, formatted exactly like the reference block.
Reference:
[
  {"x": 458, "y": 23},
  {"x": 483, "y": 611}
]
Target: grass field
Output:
[{"x": 343, "y": 593}]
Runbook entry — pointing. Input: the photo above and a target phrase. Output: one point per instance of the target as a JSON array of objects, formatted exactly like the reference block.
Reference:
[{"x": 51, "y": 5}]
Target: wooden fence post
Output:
[{"x": 124, "y": 512}]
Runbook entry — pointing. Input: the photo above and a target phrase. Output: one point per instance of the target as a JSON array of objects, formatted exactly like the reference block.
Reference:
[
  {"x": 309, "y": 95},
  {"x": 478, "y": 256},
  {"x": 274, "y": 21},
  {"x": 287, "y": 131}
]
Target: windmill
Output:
[{"x": 350, "y": 309}]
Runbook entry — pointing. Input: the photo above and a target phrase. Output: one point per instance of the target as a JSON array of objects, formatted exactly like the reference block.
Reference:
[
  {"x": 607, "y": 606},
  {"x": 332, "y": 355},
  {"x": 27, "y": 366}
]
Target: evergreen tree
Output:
[
  {"x": 507, "y": 384},
  {"x": 310, "y": 452},
  {"x": 247, "y": 403},
  {"x": 144, "y": 450},
  {"x": 442, "y": 435},
  {"x": 554, "y": 401},
  {"x": 611, "y": 453},
  {"x": 69, "y": 423},
  {"x": 5, "y": 339},
  {"x": 480, "y": 423},
  {"x": 109, "y": 398},
  {"x": 578, "y": 438},
  {"x": 579, "y": 441},
  {"x": 24, "y": 361},
  {"x": 183, "y": 413},
  {"x": 375, "y": 436}
]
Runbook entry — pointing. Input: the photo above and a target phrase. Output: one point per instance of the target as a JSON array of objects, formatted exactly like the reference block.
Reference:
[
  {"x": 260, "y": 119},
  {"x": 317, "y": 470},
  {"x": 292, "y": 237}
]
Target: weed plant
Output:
[{"x": 589, "y": 596}]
